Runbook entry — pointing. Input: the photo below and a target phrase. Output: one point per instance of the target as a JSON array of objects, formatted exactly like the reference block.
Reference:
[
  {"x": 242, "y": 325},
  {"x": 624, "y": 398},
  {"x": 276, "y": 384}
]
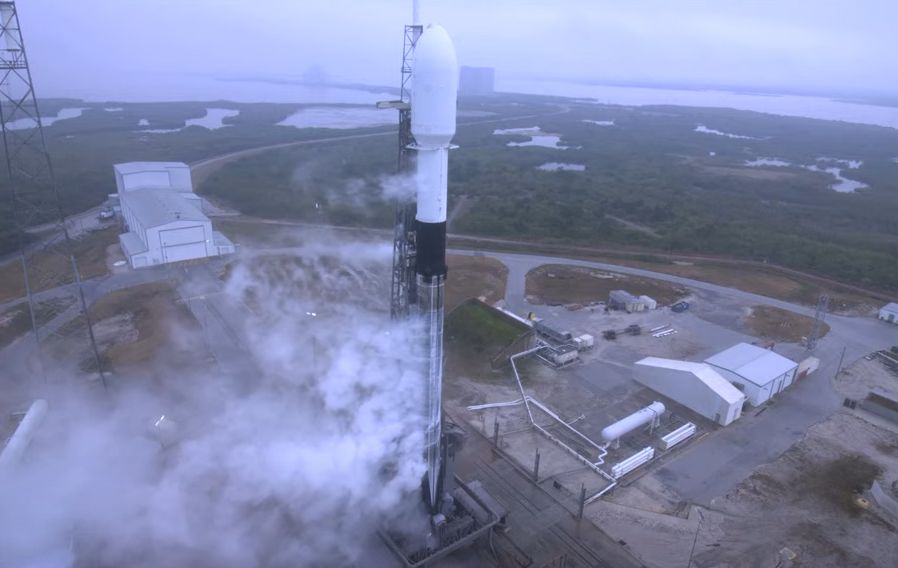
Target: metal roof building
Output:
[
  {"x": 164, "y": 217},
  {"x": 153, "y": 175},
  {"x": 696, "y": 386},
  {"x": 760, "y": 373}
]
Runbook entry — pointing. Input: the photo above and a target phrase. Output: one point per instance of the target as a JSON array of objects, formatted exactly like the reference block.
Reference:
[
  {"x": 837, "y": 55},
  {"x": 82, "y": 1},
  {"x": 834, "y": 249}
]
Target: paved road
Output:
[{"x": 715, "y": 466}]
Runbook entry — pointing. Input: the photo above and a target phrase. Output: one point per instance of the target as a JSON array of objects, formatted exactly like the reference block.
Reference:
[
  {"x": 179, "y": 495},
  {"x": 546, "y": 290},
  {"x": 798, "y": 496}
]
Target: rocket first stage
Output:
[{"x": 434, "y": 96}]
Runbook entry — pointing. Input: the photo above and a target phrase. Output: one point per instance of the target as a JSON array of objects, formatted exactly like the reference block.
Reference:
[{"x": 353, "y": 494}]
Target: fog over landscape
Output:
[{"x": 141, "y": 50}]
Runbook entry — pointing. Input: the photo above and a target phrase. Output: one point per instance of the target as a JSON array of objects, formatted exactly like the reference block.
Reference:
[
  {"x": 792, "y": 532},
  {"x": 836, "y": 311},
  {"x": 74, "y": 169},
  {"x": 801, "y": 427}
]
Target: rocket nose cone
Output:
[{"x": 435, "y": 47}]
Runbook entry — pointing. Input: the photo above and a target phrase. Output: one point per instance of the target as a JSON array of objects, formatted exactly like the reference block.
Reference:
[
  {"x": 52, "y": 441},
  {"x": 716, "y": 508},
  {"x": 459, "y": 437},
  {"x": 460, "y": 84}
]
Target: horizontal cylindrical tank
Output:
[
  {"x": 23, "y": 435},
  {"x": 626, "y": 425},
  {"x": 434, "y": 89}
]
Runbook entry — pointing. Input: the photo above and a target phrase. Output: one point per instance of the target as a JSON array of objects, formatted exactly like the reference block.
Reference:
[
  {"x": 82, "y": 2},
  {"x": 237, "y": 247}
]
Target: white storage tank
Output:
[
  {"x": 23, "y": 435},
  {"x": 626, "y": 425}
]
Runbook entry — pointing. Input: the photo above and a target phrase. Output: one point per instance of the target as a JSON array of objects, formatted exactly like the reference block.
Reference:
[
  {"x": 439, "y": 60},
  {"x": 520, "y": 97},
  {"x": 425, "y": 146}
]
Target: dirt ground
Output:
[
  {"x": 559, "y": 284},
  {"x": 49, "y": 269},
  {"x": 806, "y": 501},
  {"x": 474, "y": 277},
  {"x": 779, "y": 325},
  {"x": 144, "y": 324}
]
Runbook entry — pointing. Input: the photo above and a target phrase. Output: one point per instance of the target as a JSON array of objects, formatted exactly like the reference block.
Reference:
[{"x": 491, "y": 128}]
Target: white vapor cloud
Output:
[{"x": 294, "y": 466}]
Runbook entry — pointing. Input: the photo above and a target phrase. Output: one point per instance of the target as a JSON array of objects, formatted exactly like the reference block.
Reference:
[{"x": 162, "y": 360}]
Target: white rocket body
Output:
[{"x": 434, "y": 99}]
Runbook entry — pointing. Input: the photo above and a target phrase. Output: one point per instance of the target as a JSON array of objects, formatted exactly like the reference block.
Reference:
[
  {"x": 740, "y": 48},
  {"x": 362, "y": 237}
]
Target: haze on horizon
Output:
[{"x": 103, "y": 49}]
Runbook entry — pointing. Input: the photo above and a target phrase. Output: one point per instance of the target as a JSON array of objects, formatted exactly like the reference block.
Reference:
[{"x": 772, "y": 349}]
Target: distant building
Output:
[
  {"x": 889, "y": 313},
  {"x": 163, "y": 216},
  {"x": 697, "y": 386},
  {"x": 758, "y": 372},
  {"x": 477, "y": 81}
]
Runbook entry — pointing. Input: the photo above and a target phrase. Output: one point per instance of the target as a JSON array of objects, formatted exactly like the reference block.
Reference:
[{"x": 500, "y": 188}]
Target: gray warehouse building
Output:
[
  {"x": 164, "y": 218},
  {"x": 760, "y": 373},
  {"x": 696, "y": 386}
]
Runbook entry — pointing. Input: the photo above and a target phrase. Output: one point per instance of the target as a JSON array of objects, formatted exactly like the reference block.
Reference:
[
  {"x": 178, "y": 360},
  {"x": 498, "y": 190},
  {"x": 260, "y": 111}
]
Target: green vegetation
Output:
[
  {"x": 481, "y": 328},
  {"x": 652, "y": 184}
]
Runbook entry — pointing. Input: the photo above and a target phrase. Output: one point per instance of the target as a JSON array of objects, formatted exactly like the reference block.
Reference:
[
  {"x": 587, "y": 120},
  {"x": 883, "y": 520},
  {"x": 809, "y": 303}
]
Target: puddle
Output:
[
  {"x": 559, "y": 166},
  {"x": 64, "y": 114},
  {"x": 600, "y": 122},
  {"x": 143, "y": 122},
  {"x": 114, "y": 109},
  {"x": 705, "y": 130},
  {"x": 339, "y": 117}
]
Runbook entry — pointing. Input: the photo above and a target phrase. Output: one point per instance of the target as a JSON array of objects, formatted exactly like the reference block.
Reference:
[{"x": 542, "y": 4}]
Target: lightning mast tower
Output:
[
  {"x": 34, "y": 199},
  {"x": 819, "y": 318}
]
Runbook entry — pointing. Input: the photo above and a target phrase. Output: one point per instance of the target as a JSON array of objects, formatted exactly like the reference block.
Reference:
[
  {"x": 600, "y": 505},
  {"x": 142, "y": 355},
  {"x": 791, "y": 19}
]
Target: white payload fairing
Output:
[{"x": 434, "y": 99}]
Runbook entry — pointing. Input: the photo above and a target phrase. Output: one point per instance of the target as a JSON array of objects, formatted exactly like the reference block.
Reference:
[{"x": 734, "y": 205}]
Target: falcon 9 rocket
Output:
[{"x": 434, "y": 96}]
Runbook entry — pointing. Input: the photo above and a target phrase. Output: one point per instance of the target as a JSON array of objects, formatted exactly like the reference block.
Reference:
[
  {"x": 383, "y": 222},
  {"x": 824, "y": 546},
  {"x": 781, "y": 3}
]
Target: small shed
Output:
[
  {"x": 760, "y": 373},
  {"x": 623, "y": 300},
  {"x": 649, "y": 302},
  {"x": 889, "y": 312},
  {"x": 696, "y": 386}
]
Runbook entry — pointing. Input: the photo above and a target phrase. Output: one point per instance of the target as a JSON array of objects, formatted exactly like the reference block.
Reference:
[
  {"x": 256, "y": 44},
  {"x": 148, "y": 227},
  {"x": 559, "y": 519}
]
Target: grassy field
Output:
[
  {"x": 49, "y": 268},
  {"x": 477, "y": 277},
  {"x": 555, "y": 284},
  {"x": 475, "y": 334}
]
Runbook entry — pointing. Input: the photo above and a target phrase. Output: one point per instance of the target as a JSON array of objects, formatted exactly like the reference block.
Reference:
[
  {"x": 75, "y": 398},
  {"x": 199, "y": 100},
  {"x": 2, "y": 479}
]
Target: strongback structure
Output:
[
  {"x": 49, "y": 261},
  {"x": 404, "y": 291}
]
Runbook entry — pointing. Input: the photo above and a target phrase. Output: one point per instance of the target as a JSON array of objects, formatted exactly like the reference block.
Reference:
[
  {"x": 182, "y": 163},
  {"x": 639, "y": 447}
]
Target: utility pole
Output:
[
  {"x": 34, "y": 200},
  {"x": 817, "y": 326}
]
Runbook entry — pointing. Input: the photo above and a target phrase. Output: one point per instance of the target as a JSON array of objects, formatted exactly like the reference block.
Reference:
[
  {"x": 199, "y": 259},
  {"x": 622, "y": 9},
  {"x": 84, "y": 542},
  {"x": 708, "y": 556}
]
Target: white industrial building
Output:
[
  {"x": 696, "y": 386},
  {"x": 889, "y": 313},
  {"x": 760, "y": 373},
  {"x": 163, "y": 216}
]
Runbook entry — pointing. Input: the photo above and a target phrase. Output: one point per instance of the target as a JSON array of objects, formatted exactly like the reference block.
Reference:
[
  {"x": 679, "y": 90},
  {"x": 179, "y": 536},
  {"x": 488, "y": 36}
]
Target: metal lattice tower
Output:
[
  {"x": 403, "y": 290},
  {"x": 48, "y": 259},
  {"x": 819, "y": 317}
]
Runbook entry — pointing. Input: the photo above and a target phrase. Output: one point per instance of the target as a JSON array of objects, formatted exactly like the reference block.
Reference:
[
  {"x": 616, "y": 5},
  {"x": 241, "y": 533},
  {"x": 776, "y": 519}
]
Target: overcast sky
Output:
[{"x": 99, "y": 47}]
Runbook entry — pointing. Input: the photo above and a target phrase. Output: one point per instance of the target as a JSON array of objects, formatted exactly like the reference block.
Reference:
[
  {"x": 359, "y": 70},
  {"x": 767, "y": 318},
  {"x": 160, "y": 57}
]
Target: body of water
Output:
[
  {"x": 831, "y": 166},
  {"x": 64, "y": 114},
  {"x": 537, "y": 137},
  {"x": 785, "y": 105},
  {"x": 705, "y": 130},
  {"x": 559, "y": 166},
  {"x": 213, "y": 120},
  {"x": 339, "y": 117}
]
